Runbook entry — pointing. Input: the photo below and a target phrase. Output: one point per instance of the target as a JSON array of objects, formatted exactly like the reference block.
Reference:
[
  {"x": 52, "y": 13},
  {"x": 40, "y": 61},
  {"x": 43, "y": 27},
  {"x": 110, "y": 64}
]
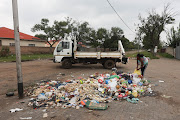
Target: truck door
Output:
[{"x": 64, "y": 49}]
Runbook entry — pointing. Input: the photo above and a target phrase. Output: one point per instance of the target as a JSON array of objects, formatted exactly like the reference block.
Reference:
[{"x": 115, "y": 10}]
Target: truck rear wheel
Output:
[
  {"x": 109, "y": 64},
  {"x": 66, "y": 63}
]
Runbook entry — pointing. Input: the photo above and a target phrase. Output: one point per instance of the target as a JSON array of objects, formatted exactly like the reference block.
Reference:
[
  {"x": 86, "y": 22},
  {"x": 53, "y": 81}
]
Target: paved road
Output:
[{"x": 150, "y": 108}]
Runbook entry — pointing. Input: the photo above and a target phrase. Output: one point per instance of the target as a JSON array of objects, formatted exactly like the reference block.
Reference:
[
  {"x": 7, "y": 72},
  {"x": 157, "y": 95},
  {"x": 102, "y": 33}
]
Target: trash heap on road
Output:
[{"x": 92, "y": 92}]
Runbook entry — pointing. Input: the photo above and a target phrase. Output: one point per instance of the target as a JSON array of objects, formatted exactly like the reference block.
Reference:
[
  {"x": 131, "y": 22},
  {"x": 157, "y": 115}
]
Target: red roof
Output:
[{"x": 9, "y": 33}]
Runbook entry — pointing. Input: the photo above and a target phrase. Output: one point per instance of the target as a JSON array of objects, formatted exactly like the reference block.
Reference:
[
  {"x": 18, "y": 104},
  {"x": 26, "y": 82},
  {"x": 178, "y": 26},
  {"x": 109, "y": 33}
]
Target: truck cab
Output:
[{"x": 64, "y": 49}]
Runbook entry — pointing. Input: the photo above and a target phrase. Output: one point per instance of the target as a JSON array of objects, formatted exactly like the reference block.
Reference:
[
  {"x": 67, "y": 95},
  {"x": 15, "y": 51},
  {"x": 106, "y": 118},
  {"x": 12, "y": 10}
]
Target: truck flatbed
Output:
[{"x": 97, "y": 55}]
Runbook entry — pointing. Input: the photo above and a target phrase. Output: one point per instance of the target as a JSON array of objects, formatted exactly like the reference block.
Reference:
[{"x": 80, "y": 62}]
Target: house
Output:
[{"x": 7, "y": 39}]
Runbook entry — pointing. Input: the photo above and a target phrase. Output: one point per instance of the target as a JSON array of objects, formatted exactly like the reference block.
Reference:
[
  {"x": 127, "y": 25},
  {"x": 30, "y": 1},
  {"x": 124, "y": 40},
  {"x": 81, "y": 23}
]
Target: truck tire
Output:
[
  {"x": 109, "y": 64},
  {"x": 66, "y": 63}
]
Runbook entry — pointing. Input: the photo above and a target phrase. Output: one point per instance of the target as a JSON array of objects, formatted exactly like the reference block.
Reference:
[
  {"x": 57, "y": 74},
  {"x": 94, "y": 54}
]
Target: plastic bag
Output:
[
  {"x": 136, "y": 80},
  {"x": 96, "y": 106},
  {"x": 42, "y": 97},
  {"x": 138, "y": 72},
  {"x": 73, "y": 100},
  {"x": 112, "y": 85},
  {"x": 114, "y": 76}
]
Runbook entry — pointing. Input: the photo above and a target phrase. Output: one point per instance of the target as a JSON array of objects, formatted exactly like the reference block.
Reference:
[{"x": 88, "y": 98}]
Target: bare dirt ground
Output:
[{"x": 149, "y": 108}]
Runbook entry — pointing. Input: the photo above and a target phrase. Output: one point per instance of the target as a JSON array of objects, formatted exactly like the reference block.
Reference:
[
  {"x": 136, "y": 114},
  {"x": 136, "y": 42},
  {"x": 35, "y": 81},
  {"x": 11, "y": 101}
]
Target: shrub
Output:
[{"x": 4, "y": 51}]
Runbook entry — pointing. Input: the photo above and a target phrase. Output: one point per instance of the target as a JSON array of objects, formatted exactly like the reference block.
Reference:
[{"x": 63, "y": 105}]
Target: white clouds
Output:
[{"x": 97, "y": 12}]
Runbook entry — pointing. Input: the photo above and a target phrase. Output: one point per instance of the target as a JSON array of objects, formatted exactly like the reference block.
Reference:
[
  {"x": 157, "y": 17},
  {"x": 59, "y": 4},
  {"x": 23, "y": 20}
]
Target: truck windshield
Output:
[{"x": 59, "y": 48}]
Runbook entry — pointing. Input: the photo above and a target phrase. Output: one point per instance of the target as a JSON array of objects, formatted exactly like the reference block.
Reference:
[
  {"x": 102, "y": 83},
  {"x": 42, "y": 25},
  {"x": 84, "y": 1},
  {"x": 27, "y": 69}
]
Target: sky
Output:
[{"x": 97, "y": 12}]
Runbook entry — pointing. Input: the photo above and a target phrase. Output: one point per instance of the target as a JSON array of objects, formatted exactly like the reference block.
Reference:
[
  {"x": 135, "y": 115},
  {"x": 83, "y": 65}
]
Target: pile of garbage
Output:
[{"x": 92, "y": 92}]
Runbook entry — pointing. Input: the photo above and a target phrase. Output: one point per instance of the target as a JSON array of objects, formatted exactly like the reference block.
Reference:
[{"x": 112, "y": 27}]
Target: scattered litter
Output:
[
  {"x": 62, "y": 74},
  {"x": 77, "y": 107},
  {"x": 161, "y": 81},
  {"x": 165, "y": 96},
  {"x": 45, "y": 115},
  {"x": 44, "y": 110},
  {"x": 96, "y": 106},
  {"x": 133, "y": 100},
  {"x": 10, "y": 94},
  {"x": 93, "y": 92},
  {"x": 25, "y": 118},
  {"x": 131, "y": 117},
  {"x": 15, "y": 110}
]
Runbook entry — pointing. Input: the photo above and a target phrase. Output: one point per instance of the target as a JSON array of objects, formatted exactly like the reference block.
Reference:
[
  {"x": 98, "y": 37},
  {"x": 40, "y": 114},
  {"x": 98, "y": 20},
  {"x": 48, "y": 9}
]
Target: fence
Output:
[
  {"x": 31, "y": 50},
  {"x": 177, "y": 52}
]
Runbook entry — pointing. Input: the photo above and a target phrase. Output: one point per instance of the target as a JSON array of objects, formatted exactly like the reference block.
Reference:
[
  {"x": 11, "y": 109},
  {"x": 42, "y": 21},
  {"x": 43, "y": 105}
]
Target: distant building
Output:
[{"x": 7, "y": 39}]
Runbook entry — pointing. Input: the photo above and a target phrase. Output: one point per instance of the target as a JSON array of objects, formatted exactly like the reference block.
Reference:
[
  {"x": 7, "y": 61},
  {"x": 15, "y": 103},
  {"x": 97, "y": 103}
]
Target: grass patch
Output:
[
  {"x": 166, "y": 55},
  {"x": 145, "y": 53},
  {"x": 11, "y": 58}
]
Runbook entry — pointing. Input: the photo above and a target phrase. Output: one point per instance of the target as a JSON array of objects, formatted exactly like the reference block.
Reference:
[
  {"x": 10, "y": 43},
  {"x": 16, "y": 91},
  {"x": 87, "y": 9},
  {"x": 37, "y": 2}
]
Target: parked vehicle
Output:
[{"x": 67, "y": 54}]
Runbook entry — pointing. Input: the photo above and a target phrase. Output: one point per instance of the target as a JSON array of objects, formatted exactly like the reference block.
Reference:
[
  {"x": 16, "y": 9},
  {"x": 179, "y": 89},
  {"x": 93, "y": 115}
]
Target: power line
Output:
[{"x": 119, "y": 16}]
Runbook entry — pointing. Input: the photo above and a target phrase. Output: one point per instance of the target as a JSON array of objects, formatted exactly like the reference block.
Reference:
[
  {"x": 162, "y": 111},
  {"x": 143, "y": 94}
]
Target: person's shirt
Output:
[{"x": 145, "y": 61}]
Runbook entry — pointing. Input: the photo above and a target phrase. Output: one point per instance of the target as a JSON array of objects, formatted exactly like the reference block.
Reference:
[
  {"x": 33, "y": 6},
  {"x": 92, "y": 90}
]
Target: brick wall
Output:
[{"x": 31, "y": 50}]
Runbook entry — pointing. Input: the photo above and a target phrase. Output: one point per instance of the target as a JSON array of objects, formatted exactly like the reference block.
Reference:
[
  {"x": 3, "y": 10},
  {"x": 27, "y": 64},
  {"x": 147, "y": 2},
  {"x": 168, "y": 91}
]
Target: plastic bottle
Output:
[
  {"x": 101, "y": 80},
  {"x": 134, "y": 93}
]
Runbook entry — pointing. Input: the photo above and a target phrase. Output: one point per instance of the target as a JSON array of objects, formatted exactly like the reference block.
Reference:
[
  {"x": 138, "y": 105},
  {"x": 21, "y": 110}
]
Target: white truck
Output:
[{"x": 67, "y": 54}]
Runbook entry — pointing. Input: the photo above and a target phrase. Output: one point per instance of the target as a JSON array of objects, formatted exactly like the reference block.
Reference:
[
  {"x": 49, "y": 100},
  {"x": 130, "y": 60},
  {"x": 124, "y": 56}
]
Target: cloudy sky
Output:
[{"x": 97, "y": 12}]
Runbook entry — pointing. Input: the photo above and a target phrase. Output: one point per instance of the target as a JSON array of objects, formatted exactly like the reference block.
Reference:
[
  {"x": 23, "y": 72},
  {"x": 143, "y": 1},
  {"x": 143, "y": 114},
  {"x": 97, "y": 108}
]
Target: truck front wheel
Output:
[
  {"x": 109, "y": 64},
  {"x": 66, "y": 63}
]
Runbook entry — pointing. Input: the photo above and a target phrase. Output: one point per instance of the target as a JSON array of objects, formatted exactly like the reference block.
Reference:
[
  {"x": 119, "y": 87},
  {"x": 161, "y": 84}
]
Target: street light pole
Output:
[{"x": 17, "y": 46}]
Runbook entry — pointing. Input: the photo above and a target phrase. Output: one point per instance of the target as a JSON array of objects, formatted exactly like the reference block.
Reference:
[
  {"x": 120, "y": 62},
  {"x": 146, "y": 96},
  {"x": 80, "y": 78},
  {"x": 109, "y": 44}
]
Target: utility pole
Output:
[{"x": 18, "y": 51}]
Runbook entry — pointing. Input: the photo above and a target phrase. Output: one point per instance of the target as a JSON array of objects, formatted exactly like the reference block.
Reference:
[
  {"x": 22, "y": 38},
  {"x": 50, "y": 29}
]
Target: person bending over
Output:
[{"x": 143, "y": 62}]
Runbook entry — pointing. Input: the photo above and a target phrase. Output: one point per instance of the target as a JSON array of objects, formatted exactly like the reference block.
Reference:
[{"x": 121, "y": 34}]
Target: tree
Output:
[
  {"x": 56, "y": 31},
  {"x": 152, "y": 26},
  {"x": 103, "y": 37},
  {"x": 48, "y": 31},
  {"x": 173, "y": 36},
  {"x": 93, "y": 39},
  {"x": 115, "y": 35},
  {"x": 60, "y": 28},
  {"x": 109, "y": 39},
  {"x": 41, "y": 36},
  {"x": 82, "y": 32}
]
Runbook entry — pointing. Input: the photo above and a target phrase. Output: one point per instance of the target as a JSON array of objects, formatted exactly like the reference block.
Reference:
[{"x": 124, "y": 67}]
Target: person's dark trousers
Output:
[{"x": 143, "y": 69}]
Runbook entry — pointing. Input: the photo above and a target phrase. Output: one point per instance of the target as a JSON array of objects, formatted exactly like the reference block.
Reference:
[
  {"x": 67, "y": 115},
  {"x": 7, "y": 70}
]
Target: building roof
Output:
[{"x": 9, "y": 33}]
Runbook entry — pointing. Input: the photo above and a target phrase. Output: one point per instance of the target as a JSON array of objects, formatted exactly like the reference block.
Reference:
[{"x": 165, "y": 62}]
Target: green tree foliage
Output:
[
  {"x": 173, "y": 36},
  {"x": 152, "y": 26},
  {"x": 93, "y": 39},
  {"x": 82, "y": 32},
  {"x": 41, "y": 36},
  {"x": 115, "y": 35},
  {"x": 103, "y": 38},
  {"x": 46, "y": 29},
  {"x": 56, "y": 31},
  {"x": 43, "y": 26}
]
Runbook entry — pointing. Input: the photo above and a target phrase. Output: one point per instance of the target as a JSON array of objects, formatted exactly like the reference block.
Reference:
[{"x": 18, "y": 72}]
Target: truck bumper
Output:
[{"x": 57, "y": 59}]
